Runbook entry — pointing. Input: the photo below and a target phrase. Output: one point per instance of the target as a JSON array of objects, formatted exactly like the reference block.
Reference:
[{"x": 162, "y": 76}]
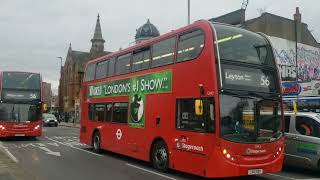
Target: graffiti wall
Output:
[{"x": 305, "y": 70}]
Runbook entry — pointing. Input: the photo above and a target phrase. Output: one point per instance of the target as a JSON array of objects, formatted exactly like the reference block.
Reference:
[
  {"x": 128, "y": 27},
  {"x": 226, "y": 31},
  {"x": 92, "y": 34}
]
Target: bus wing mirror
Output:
[{"x": 198, "y": 105}]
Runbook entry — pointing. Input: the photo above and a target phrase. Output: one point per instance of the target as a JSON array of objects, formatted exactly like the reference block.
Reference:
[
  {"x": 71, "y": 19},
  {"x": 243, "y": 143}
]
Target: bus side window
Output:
[
  {"x": 163, "y": 52},
  {"x": 211, "y": 124},
  {"x": 108, "y": 112},
  {"x": 140, "y": 59},
  {"x": 99, "y": 112},
  {"x": 190, "y": 45},
  {"x": 186, "y": 118},
  {"x": 111, "y": 67},
  {"x": 90, "y": 72},
  {"x": 123, "y": 64},
  {"x": 90, "y": 111},
  {"x": 120, "y": 112},
  {"x": 102, "y": 68}
]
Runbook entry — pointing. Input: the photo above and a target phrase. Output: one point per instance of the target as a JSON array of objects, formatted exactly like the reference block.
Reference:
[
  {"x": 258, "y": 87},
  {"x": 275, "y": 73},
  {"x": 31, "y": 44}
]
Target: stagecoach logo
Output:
[
  {"x": 182, "y": 144},
  {"x": 250, "y": 151},
  {"x": 136, "y": 88}
]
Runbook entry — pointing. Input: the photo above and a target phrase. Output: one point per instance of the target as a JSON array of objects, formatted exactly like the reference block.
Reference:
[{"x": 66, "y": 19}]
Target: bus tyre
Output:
[
  {"x": 96, "y": 142},
  {"x": 160, "y": 156}
]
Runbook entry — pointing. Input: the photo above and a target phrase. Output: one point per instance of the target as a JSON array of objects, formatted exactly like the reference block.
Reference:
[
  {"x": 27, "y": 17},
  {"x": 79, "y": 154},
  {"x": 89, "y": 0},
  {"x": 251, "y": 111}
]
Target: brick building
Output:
[
  {"x": 46, "y": 93},
  {"x": 71, "y": 73}
]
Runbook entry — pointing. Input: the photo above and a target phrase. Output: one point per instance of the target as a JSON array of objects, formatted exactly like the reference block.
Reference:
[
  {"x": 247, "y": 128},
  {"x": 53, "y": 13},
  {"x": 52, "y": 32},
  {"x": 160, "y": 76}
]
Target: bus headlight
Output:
[
  {"x": 37, "y": 127},
  {"x": 229, "y": 155},
  {"x": 278, "y": 152},
  {"x": 2, "y": 127}
]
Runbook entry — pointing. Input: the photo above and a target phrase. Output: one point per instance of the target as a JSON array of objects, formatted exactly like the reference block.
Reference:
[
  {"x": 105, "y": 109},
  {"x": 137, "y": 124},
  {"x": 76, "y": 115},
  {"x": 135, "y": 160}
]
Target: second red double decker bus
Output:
[
  {"x": 204, "y": 99},
  {"x": 20, "y": 104}
]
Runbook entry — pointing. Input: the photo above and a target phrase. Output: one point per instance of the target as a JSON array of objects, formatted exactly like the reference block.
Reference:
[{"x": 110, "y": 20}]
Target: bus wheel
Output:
[
  {"x": 160, "y": 156},
  {"x": 96, "y": 142}
]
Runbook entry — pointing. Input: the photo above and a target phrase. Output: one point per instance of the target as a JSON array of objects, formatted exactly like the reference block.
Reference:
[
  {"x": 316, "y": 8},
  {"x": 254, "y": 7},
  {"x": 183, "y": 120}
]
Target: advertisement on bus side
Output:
[{"x": 136, "y": 88}]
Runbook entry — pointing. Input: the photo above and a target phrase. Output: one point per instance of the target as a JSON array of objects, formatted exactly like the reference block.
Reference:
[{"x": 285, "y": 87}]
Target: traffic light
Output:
[{"x": 45, "y": 107}]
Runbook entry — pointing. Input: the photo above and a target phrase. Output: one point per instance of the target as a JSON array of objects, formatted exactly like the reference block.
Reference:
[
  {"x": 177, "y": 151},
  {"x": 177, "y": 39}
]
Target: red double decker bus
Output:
[
  {"x": 20, "y": 104},
  {"x": 204, "y": 99}
]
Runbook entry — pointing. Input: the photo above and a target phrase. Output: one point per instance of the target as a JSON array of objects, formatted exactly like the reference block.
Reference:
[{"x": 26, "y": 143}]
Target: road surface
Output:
[{"x": 59, "y": 155}]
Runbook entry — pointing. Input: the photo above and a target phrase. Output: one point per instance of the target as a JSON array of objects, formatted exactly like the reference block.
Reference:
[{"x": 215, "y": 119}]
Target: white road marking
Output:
[
  {"x": 149, "y": 171},
  {"x": 74, "y": 147},
  {"x": 53, "y": 144},
  {"x": 5, "y": 149},
  {"x": 286, "y": 177},
  {"x": 48, "y": 151}
]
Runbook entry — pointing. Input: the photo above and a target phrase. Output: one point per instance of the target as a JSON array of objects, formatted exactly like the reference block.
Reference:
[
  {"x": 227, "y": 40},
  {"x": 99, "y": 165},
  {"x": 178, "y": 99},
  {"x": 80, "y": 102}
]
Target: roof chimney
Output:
[{"x": 297, "y": 15}]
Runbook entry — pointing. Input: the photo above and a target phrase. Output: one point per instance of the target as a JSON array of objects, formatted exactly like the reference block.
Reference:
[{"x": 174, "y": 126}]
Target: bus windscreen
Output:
[
  {"x": 21, "y": 80},
  {"x": 19, "y": 112},
  {"x": 239, "y": 45},
  {"x": 249, "y": 119}
]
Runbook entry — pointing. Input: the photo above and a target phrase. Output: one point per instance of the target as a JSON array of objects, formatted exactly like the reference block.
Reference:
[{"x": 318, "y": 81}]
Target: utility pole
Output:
[
  {"x": 60, "y": 93},
  {"x": 60, "y": 61},
  {"x": 188, "y": 12}
]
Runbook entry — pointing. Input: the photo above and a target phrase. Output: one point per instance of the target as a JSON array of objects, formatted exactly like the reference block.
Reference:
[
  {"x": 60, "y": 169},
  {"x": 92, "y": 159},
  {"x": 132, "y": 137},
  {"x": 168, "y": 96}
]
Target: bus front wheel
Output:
[
  {"x": 160, "y": 156},
  {"x": 96, "y": 142}
]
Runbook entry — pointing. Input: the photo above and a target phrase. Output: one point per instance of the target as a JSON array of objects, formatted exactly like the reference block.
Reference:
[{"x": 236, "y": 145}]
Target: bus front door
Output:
[{"x": 194, "y": 136}]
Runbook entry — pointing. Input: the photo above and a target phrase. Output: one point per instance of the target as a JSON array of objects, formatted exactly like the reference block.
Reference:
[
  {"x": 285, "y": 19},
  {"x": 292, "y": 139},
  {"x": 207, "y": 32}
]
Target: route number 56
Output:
[{"x": 264, "y": 81}]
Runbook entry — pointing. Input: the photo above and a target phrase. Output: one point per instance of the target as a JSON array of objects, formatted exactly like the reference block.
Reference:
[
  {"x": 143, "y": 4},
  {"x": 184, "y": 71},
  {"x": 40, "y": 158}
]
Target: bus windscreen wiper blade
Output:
[{"x": 265, "y": 97}]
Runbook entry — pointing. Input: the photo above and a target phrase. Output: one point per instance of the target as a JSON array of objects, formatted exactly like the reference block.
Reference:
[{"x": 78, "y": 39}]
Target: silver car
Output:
[
  {"x": 303, "y": 139},
  {"x": 49, "y": 120}
]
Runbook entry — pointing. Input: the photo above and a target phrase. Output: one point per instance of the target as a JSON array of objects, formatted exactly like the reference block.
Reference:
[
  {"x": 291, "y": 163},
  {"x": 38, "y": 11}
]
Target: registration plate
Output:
[
  {"x": 19, "y": 134},
  {"x": 255, "y": 171}
]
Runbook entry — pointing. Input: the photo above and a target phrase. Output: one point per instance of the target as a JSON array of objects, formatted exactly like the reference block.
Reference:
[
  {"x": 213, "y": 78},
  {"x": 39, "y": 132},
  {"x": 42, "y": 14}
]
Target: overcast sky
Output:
[{"x": 34, "y": 32}]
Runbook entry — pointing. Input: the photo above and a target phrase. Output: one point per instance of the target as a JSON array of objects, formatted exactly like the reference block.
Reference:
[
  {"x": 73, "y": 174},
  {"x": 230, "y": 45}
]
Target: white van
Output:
[{"x": 303, "y": 139}]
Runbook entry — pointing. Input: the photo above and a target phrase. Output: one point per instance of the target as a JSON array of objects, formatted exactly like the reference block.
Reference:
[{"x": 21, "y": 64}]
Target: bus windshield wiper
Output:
[{"x": 265, "y": 97}]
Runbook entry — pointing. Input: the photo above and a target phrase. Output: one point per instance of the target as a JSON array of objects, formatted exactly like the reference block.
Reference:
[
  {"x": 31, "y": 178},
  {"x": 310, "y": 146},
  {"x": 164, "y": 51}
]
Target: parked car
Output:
[
  {"x": 303, "y": 139},
  {"x": 49, "y": 120}
]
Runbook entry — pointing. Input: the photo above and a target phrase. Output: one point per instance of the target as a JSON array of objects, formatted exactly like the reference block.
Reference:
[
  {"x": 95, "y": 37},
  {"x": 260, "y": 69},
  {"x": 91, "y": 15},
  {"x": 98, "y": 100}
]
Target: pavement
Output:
[{"x": 58, "y": 154}]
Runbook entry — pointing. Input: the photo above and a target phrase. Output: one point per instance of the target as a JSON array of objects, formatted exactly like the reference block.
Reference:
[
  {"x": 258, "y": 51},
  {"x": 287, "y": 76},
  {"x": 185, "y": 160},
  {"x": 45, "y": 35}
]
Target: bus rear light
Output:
[{"x": 2, "y": 127}]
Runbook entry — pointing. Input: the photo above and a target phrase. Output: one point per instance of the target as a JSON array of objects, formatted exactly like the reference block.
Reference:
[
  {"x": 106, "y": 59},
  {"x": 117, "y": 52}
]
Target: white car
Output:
[{"x": 303, "y": 139}]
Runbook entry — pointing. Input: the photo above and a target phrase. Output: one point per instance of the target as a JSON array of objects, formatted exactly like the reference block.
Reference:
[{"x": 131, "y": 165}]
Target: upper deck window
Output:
[
  {"x": 21, "y": 80},
  {"x": 141, "y": 59},
  {"x": 236, "y": 44},
  {"x": 190, "y": 45},
  {"x": 102, "y": 68},
  {"x": 163, "y": 52},
  {"x": 123, "y": 64},
  {"x": 111, "y": 67},
  {"x": 90, "y": 72}
]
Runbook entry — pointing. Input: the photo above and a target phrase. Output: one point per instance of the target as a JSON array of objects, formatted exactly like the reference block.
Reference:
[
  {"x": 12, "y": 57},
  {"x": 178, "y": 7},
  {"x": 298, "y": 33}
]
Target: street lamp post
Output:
[
  {"x": 188, "y": 11},
  {"x": 60, "y": 93},
  {"x": 60, "y": 61}
]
